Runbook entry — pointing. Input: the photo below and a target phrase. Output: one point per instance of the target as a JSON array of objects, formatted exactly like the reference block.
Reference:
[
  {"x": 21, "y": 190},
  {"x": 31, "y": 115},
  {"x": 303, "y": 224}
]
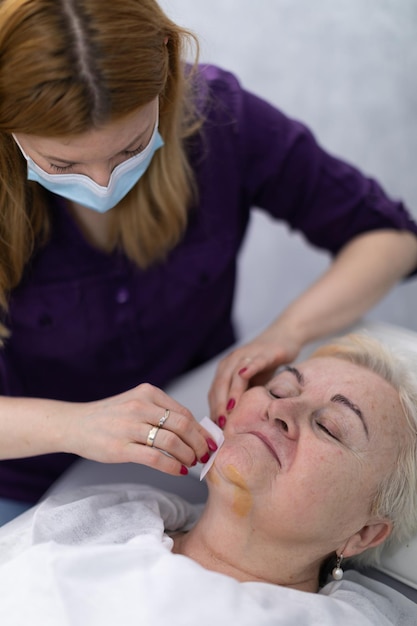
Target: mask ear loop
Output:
[
  {"x": 337, "y": 571},
  {"x": 19, "y": 146}
]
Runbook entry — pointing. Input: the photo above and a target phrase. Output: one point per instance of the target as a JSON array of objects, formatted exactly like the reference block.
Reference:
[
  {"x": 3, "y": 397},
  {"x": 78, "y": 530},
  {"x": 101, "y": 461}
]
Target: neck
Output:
[
  {"x": 94, "y": 226},
  {"x": 230, "y": 545}
]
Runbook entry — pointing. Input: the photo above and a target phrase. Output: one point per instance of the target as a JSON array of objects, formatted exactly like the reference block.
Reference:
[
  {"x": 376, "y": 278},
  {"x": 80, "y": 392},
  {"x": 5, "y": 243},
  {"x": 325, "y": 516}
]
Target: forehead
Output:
[
  {"x": 338, "y": 371},
  {"x": 110, "y": 138}
]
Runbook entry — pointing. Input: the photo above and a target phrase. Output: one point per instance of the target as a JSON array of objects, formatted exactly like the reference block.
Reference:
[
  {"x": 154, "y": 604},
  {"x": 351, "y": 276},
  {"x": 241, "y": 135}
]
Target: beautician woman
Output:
[{"x": 127, "y": 181}]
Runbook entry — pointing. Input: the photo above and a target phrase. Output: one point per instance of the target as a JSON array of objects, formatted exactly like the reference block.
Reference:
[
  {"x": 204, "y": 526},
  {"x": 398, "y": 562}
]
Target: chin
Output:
[{"x": 235, "y": 463}]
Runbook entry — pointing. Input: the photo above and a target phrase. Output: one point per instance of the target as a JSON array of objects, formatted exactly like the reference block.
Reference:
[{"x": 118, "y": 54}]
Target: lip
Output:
[{"x": 267, "y": 443}]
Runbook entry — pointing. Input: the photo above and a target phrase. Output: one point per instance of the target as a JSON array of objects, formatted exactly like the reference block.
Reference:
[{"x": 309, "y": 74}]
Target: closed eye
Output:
[
  {"x": 274, "y": 395},
  {"x": 135, "y": 151},
  {"x": 327, "y": 431},
  {"x": 60, "y": 168}
]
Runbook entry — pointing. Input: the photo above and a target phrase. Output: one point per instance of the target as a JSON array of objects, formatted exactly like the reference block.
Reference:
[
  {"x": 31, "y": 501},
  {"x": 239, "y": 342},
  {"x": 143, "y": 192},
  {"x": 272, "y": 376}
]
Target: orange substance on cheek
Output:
[{"x": 242, "y": 501}]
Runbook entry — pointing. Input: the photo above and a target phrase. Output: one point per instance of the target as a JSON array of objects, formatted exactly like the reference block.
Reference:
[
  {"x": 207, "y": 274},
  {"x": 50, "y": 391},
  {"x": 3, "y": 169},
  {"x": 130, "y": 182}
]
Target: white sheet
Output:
[{"x": 98, "y": 556}]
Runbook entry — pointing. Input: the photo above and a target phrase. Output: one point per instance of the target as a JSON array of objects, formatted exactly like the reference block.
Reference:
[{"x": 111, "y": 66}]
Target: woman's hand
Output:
[
  {"x": 143, "y": 425},
  {"x": 250, "y": 364},
  {"x": 363, "y": 271}
]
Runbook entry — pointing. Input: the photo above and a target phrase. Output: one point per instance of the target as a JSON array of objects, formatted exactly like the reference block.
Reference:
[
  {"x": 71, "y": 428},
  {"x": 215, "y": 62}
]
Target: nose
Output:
[
  {"x": 285, "y": 413},
  {"x": 100, "y": 173}
]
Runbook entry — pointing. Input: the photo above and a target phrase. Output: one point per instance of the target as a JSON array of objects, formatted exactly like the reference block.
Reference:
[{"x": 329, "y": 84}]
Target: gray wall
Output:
[{"x": 348, "y": 69}]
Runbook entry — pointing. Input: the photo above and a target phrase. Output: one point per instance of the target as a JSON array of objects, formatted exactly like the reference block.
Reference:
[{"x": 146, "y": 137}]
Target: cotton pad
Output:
[{"x": 218, "y": 437}]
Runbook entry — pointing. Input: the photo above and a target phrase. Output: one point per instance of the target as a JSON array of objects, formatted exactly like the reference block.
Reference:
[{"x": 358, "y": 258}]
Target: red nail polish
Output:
[
  {"x": 205, "y": 458},
  {"x": 230, "y": 404},
  {"x": 194, "y": 462},
  {"x": 211, "y": 444},
  {"x": 221, "y": 421},
  {"x": 183, "y": 470},
  {"x": 242, "y": 371}
]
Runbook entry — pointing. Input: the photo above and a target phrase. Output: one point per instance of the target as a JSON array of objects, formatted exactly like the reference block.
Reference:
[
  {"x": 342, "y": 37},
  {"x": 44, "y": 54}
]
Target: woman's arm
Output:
[
  {"x": 362, "y": 273},
  {"x": 113, "y": 430}
]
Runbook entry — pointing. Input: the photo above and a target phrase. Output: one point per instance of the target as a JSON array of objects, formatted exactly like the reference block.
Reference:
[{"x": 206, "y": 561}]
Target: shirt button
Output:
[{"x": 122, "y": 296}]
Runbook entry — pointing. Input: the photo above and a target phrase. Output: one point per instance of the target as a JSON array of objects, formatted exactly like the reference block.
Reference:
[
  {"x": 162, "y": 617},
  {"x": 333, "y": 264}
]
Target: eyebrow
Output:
[
  {"x": 336, "y": 398},
  {"x": 296, "y": 372},
  {"x": 129, "y": 147},
  {"x": 343, "y": 400}
]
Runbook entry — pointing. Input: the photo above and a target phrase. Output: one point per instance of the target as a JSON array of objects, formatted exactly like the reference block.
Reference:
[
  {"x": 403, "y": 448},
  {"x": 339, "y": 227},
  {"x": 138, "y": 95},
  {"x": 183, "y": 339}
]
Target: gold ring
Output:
[
  {"x": 163, "y": 418},
  {"x": 151, "y": 437}
]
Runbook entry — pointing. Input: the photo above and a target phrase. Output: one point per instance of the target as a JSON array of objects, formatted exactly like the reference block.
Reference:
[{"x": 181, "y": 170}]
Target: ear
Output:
[{"x": 369, "y": 536}]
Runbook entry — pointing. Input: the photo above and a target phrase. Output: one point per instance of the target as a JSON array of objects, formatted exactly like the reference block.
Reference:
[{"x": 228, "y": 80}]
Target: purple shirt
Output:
[{"x": 86, "y": 325}]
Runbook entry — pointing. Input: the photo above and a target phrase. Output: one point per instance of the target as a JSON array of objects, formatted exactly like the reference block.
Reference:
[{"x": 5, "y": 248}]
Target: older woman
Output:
[
  {"x": 313, "y": 465},
  {"x": 319, "y": 465}
]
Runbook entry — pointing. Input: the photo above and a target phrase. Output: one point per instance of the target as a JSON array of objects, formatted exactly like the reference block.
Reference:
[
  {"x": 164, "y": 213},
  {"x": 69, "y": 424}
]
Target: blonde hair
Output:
[
  {"x": 68, "y": 66},
  {"x": 396, "y": 496}
]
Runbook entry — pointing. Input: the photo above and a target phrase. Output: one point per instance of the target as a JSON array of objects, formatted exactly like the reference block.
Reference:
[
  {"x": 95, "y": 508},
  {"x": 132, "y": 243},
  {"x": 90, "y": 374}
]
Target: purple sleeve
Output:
[{"x": 287, "y": 173}]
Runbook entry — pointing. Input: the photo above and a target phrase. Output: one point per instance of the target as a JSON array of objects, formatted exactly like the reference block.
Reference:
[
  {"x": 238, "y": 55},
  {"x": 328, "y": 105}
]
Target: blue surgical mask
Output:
[{"x": 85, "y": 191}]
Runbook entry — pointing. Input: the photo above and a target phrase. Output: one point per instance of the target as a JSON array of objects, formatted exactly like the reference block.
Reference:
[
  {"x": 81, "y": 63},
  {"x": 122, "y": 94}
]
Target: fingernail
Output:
[
  {"x": 242, "y": 371},
  {"x": 211, "y": 444},
  {"x": 230, "y": 404},
  {"x": 221, "y": 421},
  {"x": 183, "y": 470},
  {"x": 205, "y": 458},
  {"x": 194, "y": 462}
]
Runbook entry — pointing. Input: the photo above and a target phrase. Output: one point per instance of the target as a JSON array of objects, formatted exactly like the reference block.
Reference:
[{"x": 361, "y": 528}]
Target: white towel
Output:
[{"x": 99, "y": 557}]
